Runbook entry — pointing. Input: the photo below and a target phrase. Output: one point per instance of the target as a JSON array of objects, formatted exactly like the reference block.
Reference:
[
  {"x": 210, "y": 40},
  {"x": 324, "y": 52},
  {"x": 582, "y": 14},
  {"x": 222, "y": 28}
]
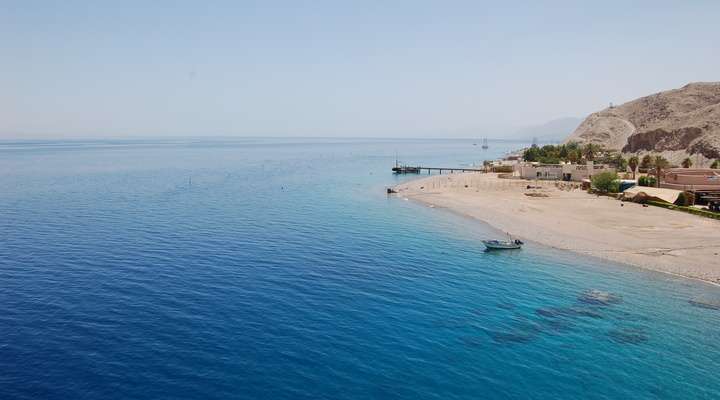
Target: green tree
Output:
[
  {"x": 681, "y": 200},
  {"x": 659, "y": 163},
  {"x": 551, "y": 159},
  {"x": 563, "y": 152},
  {"x": 687, "y": 163},
  {"x": 531, "y": 154},
  {"x": 646, "y": 162},
  {"x": 606, "y": 182},
  {"x": 572, "y": 152},
  {"x": 590, "y": 150},
  {"x": 715, "y": 164},
  {"x": 574, "y": 155},
  {"x": 572, "y": 146},
  {"x": 619, "y": 162},
  {"x": 633, "y": 163}
]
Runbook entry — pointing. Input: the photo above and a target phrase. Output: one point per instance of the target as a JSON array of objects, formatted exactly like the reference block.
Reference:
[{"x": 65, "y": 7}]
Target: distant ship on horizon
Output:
[{"x": 485, "y": 144}]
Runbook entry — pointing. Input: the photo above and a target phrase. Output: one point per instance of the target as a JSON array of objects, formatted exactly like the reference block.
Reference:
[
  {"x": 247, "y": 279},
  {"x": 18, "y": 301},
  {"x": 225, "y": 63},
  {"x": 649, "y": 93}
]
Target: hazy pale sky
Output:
[{"x": 338, "y": 68}]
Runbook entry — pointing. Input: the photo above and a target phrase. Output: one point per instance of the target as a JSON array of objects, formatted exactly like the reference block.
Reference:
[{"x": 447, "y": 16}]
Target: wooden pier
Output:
[{"x": 407, "y": 169}]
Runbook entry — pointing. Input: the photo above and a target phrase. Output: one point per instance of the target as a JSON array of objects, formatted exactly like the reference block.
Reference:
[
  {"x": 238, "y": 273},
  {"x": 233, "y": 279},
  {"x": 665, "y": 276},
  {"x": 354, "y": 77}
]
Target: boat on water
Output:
[
  {"x": 502, "y": 244},
  {"x": 485, "y": 144},
  {"x": 405, "y": 169}
]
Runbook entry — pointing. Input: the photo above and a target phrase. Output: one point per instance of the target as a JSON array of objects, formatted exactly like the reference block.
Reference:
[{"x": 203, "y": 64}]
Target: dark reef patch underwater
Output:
[
  {"x": 708, "y": 304},
  {"x": 629, "y": 335}
]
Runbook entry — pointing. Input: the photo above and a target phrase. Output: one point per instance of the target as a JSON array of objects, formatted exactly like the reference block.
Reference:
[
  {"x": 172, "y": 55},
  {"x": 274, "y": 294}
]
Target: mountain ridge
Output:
[{"x": 680, "y": 122}]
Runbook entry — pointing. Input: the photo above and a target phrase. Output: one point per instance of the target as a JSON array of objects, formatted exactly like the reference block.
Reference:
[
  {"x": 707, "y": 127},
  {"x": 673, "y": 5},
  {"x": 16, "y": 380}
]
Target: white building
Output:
[{"x": 565, "y": 172}]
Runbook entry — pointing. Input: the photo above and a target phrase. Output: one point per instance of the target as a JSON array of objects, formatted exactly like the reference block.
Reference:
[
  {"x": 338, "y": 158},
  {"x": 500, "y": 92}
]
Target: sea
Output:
[{"x": 279, "y": 268}]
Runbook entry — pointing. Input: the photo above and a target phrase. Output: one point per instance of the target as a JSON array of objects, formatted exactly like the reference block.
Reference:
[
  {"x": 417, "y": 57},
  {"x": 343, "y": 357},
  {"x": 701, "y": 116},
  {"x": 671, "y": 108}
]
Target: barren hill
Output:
[{"x": 680, "y": 122}]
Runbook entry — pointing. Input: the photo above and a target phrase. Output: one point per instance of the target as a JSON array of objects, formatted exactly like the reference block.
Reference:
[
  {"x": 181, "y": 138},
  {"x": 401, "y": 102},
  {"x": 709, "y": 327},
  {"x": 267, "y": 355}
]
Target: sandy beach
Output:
[{"x": 571, "y": 219}]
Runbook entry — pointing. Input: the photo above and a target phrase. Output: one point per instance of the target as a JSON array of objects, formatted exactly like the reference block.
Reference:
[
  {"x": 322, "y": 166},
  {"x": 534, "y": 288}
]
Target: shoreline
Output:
[{"x": 561, "y": 216}]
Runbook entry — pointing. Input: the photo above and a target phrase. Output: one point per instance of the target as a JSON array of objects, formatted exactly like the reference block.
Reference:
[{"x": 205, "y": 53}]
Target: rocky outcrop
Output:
[
  {"x": 682, "y": 121},
  {"x": 604, "y": 128},
  {"x": 662, "y": 140}
]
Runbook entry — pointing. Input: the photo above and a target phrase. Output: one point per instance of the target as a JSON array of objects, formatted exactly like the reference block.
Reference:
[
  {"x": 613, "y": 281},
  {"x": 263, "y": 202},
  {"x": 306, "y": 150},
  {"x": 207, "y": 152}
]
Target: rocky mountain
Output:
[{"x": 677, "y": 123}]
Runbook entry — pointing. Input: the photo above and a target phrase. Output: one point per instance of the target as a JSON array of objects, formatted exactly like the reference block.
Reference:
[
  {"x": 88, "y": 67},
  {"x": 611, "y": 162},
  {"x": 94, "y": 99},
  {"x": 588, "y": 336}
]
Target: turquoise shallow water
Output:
[{"x": 278, "y": 268}]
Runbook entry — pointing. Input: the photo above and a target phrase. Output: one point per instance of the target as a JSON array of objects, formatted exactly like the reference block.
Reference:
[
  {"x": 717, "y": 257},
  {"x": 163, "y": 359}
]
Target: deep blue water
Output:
[{"x": 279, "y": 269}]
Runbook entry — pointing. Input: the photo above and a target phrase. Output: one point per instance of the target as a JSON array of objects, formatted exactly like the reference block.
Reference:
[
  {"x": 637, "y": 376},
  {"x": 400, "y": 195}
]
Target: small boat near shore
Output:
[{"x": 502, "y": 244}]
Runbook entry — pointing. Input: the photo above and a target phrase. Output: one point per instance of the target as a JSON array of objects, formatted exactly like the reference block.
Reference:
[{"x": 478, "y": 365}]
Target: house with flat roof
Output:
[
  {"x": 692, "y": 179},
  {"x": 565, "y": 172}
]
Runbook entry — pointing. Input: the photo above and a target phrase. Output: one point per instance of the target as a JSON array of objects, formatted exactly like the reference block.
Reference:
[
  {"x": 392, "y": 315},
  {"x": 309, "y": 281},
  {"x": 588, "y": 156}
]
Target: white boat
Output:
[{"x": 502, "y": 244}]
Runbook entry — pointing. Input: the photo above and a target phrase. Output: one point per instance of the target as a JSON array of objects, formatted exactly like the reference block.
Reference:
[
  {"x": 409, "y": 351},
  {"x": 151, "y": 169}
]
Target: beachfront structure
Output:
[
  {"x": 704, "y": 183},
  {"x": 510, "y": 160},
  {"x": 503, "y": 163},
  {"x": 692, "y": 179},
  {"x": 565, "y": 172},
  {"x": 652, "y": 193}
]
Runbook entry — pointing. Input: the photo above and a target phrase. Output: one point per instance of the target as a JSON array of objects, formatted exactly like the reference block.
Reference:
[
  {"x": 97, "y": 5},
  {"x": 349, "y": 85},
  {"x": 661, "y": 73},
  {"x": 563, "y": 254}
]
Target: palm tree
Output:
[
  {"x": 589, "y": 151},
  {"x": 660, "y": 163},
  {"x": 574, "y": 156},
  {"x": 633, "y": 163},
  {"x": 646, "y": 162},
  {"x": 621, "y": 163},
  {"x": 687, "y": 163}
]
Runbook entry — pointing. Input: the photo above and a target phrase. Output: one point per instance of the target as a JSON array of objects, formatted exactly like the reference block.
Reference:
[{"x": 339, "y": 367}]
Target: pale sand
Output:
[{"x": 650, "y": 237}]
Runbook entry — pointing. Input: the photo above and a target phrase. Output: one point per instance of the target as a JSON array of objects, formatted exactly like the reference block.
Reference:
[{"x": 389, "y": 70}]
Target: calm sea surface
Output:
[{"x": 279, "y": 269}]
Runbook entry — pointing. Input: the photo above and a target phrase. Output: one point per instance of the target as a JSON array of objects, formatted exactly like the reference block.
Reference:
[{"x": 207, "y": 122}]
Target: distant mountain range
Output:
[
  {"x": 677, "y": 123},
  {"x": 552, "y": 131}
]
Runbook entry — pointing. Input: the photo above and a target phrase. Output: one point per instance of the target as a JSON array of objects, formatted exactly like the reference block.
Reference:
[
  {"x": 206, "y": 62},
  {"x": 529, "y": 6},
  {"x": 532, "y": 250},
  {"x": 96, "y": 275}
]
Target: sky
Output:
[{"x": 102, "y": 69}]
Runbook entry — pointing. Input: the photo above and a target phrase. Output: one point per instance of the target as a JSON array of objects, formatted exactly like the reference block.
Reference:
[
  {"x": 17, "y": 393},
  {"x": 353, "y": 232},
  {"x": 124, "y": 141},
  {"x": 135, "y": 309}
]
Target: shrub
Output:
[
  {"x": 691, "y": 210},
  {"x": 606, "y": 182},
  {"x": 682, "y": 200},
  {"x": 647, "y": 181},
  {"x": 641, "y": 198}
]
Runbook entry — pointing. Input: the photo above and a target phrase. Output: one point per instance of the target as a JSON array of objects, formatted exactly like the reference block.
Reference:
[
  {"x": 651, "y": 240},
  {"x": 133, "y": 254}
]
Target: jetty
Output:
[{"x": 408, "y": 169}]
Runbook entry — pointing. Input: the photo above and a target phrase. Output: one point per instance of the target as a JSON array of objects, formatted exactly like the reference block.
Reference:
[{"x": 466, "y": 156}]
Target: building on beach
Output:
[
  {"x": 564, "y": 172},
  {"x": 511, "y": 160},
  {"x": 692, "y": 179},
  {"x": 704, "y": 183}
]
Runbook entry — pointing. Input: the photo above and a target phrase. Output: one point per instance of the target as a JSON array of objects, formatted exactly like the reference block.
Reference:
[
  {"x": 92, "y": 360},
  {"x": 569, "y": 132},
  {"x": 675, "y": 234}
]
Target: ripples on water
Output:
[{"x": 279, "y": 269}]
